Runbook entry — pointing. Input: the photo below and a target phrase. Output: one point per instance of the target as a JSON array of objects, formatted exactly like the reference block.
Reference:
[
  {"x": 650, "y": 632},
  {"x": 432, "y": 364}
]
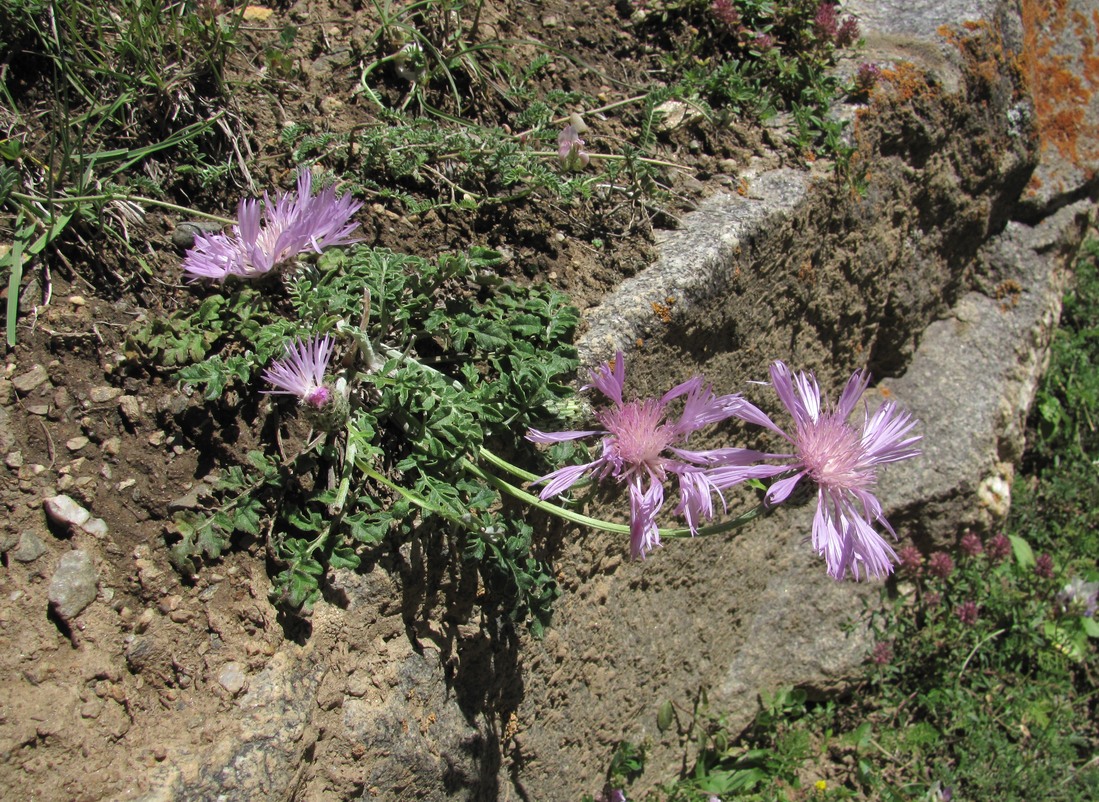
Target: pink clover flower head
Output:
[
  {"x": 570, "y": 150},
  {"x": 883, "y": 653},
  {"x": 264, "y": 238},
  {"x": 911, "y": 559},
  {"x": 726, "y": 13},
  {"x": 971, "y": 544},
  {"x": 826, "y": 21},
  {"x": 941, "y": 565},
  {"x": 301, "y": 371},
  {"x": 1043, "y": 566},
  {"x": 841, "y": 459},
  {"x": 967, "y": 613},
  {"x": 642, "y": 444},
  {"x": 998, "y": 547}
]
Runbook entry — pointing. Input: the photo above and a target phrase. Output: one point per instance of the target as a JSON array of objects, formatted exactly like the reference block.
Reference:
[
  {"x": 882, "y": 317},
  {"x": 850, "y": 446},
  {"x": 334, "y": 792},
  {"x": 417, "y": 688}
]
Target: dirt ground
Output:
[{"x": 93, "y": 705}]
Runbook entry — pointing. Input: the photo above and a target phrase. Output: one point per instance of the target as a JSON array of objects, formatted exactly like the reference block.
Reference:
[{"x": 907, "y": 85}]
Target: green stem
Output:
[
  {"x": 596, "y": 523},
  {"x": 408, "y": 496},
  {"x": 503, "y": 464}
]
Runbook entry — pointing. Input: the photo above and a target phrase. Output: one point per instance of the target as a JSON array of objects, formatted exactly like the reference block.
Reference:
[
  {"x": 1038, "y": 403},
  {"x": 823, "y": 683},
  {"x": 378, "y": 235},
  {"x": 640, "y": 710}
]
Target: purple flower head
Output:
[
  {"x": 967, "y": 613},
  {"x": 971, "y": 544},
  {"x": 848, "y": 33},
  {"x": 841, "y": 459},
  {"x": 867, "y": 76},
  {"x": 725, "y": 12},
  {"x": 883, "y": 653},
  {"x": 1043, "y": 566},
  {"x": 826, "y": 21},
  {"x": 642, "y": 444},
  {"x": 301, "y": 371},
  {"x": 289, "y": 225},
  {"x": 941, "y": 565},
  {"x": 998, "y": 548},
  {"x": 911, "y": 558},
  {"x": 570, "y": 150}
]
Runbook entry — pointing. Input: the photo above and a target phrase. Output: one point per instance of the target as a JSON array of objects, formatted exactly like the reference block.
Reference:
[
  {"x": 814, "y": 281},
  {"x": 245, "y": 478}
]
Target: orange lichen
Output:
[
  {"x": 742, "y": 187},
  {"x": 1061, "y": 92},
  {"x": 907, "y": 82},
  {"x": 663, "y": 311}
]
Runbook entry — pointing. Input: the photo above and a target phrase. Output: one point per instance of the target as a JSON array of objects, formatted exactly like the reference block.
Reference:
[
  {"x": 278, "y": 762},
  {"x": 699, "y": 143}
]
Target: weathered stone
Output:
[
  {"x": 74, "y": 585},
  {"x": 130, "y": 409},
  {"x": 30, "y": 380},
  {"x": 103, "y": 394},
  {"x": 30, "y": 548}
]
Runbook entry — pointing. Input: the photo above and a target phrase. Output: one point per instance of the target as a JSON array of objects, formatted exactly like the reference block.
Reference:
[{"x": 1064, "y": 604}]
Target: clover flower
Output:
[
  {"x": 570, "y": 150},
  {"x": 642, "y": 444},
  {"x": 261, "y": 240},
  {"x": 841, "y": 459},
  {"x": 941, "y": 565},
  {"x": 301, "y": 371}
]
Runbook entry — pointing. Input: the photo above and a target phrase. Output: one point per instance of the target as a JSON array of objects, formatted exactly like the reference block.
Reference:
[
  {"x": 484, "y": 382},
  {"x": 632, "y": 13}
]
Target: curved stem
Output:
[{"x": 597, "y": 523}]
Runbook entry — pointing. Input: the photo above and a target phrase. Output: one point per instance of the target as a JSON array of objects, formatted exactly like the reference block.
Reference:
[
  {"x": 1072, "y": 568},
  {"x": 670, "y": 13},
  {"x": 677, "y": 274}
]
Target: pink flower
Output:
[
  {"x": 1043, "y": 566},
  {"x": 998, "y": 548},
  {"x": 971, "y": 544},
  {"x": 967, "y": 613},
  {"x": 295, "y": 222},
  {"x": 642, "y": 444},
  {"x": 570, "y": 150},
  {"x": 841, "y": 459},
  {"x": 883, "y": 653},
  {"x": 911, "y": 558},
  {"x": 941, "y": 565},
  {"x": 301, "y": 371}
]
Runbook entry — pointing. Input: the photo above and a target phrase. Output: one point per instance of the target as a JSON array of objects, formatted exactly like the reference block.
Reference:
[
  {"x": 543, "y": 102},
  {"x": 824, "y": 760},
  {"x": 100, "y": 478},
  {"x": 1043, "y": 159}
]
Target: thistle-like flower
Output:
[
  {"x": 301, "y": 371},
  {"x": 289, "y": 225},
  {"x": 641, "y": 445},
  {"x": 570, "y": 150},
  {"x": 841, "y": 459}
]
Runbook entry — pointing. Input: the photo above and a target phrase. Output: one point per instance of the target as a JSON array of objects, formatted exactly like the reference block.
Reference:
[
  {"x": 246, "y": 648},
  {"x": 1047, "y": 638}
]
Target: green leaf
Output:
[
  {"x": 1090, "y": 627},
  {"x": 665, "y": 716},
  {"x": 1024, "y": 555}
]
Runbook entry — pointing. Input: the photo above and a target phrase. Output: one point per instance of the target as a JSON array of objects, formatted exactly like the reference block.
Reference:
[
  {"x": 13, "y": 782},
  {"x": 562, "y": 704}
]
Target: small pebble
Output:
[
  {"x": 76, "y": 443},
  {"x": 25, "y": 382},
  {"x": 101, "y": 395},
  {"x": 232, "y": 677},
  {"x": 73, "y": 586},
  {"x": 30, "y": 548}
]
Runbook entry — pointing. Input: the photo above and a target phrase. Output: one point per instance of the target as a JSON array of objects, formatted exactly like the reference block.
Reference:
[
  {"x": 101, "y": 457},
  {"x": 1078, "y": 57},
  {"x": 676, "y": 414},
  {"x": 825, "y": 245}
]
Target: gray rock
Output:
[
  {"x": 130, "y": 409},
  {"x": 104, "y": 394},
  {"x": 183, "y": 237},
  {"x": 30, "y": 548},
  {"x": 31, "y": 379},
  {"x": 74, "y": 585}
]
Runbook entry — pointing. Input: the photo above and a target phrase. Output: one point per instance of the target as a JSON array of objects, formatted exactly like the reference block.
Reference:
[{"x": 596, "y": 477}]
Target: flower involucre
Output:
[
  {"x": 841, "y": 459},
  {"x": 642, "y": 445},
  {"x": 289, "y": 225}
]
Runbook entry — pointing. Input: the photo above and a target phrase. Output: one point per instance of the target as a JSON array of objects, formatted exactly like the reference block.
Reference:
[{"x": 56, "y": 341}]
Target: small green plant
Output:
[{"x": 401, "y": 461}]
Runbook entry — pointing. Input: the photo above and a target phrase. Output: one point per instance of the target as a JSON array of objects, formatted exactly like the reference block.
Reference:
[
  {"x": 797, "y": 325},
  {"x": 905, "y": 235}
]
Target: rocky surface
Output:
[{"x": 938, "y": 263}]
